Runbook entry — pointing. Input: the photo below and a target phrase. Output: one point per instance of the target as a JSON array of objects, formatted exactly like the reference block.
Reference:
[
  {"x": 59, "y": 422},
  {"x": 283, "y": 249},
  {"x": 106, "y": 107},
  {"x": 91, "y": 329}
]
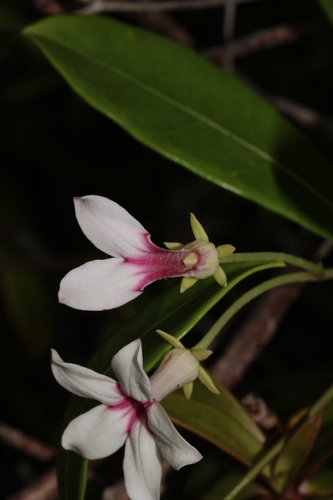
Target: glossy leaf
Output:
[
  {"x": 293, "y": 455},
  {"x": 173, "y": 312},
  {"x": 177, "y": 103},
  {"x": 219, "y": 419}
]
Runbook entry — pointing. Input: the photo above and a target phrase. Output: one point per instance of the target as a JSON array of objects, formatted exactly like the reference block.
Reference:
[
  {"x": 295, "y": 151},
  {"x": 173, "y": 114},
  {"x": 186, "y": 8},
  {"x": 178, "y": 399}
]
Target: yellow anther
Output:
[{"x": 191, "y": 259}]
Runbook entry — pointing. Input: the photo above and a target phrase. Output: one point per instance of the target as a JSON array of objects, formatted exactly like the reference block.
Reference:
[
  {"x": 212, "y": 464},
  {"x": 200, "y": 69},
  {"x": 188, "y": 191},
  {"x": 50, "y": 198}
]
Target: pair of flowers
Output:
[{"x": 130, "y": 411}]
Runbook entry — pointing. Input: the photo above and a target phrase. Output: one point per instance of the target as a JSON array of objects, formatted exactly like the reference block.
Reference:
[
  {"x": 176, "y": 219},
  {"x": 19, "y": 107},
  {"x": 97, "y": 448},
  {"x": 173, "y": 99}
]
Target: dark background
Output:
[{"x": 53, "y": 146}]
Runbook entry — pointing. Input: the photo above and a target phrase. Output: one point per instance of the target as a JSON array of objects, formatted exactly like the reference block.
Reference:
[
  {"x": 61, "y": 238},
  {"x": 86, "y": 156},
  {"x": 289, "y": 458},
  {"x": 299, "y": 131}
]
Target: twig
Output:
[
  {"x": 44, "y": 488},
  {"x": 115, "y": 492},
  {"x": 229, "y": 20},
  {"x": 50, "y": 7},
  {"x": 252, "y": 337},
  {"x": 265, "y": 39},
  {"x": 163, "y": 23},
  {"x": 114, "y": 6},
  {"x": 26, "y": 444},
  {"x": 304, "y": 116}
]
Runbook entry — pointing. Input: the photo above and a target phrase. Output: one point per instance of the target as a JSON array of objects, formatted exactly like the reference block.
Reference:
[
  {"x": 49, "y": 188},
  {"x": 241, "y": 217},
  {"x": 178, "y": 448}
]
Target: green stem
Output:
[
  {"x": 247, "y": 297},
  {"x": 322, "y": 402},
  {"x": 312, "y": 267},
  {"x": 257, "y": 468}
]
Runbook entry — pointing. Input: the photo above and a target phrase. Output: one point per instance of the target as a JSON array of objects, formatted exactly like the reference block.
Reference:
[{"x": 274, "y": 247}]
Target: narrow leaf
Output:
[
  {"x": 292, "y": 457},
  {"x": 323, "y": 447}
]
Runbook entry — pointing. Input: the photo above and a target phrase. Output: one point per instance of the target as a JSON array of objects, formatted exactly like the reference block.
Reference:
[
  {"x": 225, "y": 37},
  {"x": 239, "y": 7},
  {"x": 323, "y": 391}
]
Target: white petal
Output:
[
  {"x": 109, "y": 226},
  {"x": 99, "y": 285},
  {"x": 128, "y": 367},
  {"x": 176, "y": 451},
  {"x": 142, "y": 465},
  {"x": 85, "y": 382},
  {"x": 97, "y": 433}
]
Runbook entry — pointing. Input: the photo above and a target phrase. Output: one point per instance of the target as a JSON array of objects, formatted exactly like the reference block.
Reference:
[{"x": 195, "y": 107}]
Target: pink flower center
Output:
[
  {"x": 158, "y": 263},
  {"x": 134, "y": 411}
]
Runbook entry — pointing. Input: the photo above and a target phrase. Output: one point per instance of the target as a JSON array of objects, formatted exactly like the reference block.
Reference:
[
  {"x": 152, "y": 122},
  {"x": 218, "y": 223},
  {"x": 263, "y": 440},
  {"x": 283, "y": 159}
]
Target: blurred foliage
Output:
[{"x": 54, "y": 146}]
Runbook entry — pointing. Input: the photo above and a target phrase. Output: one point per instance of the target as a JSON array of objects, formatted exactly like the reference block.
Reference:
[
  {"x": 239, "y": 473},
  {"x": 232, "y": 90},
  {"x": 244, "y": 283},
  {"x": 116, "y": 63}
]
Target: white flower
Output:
[
  {"x": 136, "y": 262},
  {"x": 128, "y": 414}
]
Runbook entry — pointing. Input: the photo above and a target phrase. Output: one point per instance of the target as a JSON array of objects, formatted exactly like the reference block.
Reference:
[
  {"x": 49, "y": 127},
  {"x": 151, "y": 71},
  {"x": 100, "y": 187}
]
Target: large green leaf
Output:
[
  {"x": 179, "y": 104},
  {"x": 173, "y": 312}
]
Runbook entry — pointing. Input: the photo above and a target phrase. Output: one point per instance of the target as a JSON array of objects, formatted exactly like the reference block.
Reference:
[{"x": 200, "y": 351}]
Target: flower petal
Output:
[
  {"x": 142, "y": 465},
  {"x": 99, "y": 285},
  {"x": 109, "y": 226},
  {"x": 176, "y": 451},
  {"x": 97, "y": 433},
  {"x": 85, "y": 382},
  {"x": 128, "y": 367}
]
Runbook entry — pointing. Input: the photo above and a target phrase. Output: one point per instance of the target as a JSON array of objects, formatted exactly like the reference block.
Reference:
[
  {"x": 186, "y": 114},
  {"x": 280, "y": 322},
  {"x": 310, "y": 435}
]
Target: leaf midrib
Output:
[{"x": 186, "y": 109}]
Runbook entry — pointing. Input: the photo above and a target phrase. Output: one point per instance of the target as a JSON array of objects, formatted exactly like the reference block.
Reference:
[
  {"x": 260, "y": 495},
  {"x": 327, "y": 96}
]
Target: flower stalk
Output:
[
  {"x": 247, "y": 297},
  {"x": 311, "y": 267}
]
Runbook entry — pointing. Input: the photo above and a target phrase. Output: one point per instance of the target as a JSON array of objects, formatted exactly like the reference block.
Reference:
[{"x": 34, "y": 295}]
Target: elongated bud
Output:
[
  {"x": 198, "y": 355},
  {"x": 178, "y": 368}
]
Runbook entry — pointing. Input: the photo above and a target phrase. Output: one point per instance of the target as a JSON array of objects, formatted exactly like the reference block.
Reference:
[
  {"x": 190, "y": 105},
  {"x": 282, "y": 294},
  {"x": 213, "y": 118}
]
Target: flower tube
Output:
[{"x": 136, "y": 261}]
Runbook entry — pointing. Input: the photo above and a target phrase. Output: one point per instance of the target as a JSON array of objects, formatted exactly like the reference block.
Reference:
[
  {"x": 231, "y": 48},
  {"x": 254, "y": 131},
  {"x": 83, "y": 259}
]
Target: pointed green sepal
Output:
[
  {"x": 169, "y": 338},
  {"x": 173, "y": 245},
  {"x": 207, "y": 381},
  {"x": 188, "y": 389},
  {"x": 201, "y": 354},
  {"x": 187, "y": 283},
  {"x": 220, "y": 276},
  {"x": 198, "y": 230},
  {"x": 225, "y": 251}
]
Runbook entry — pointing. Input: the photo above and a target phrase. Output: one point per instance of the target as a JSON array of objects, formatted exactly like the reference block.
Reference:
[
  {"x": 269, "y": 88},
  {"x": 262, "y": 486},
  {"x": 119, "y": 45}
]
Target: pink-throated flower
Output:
[
  {"x": 136, "y": 262},
  {"x": 129, "y": 414}
]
